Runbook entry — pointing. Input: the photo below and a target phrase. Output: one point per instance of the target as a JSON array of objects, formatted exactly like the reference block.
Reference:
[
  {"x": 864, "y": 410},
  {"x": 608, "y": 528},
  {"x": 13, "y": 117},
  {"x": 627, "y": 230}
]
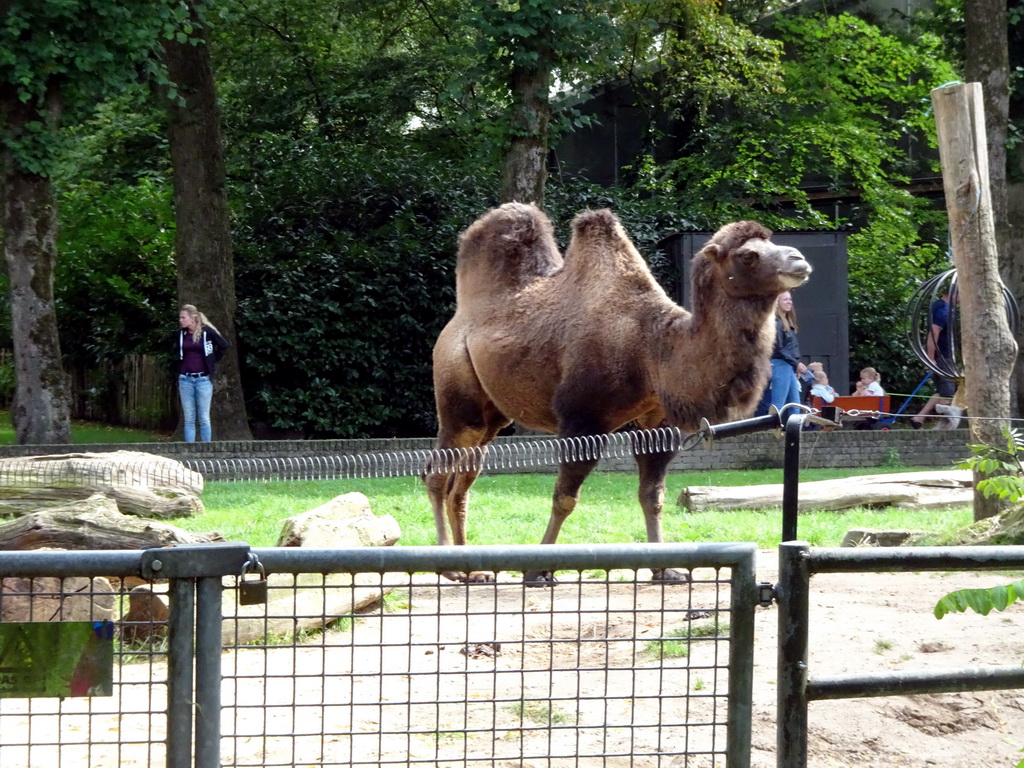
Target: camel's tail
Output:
[{"x": 506, "y": 247}]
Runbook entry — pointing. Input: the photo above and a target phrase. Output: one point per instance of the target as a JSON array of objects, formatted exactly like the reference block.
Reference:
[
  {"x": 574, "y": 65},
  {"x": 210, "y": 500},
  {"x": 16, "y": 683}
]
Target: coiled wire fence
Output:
[{"x": 519, "y": 455}]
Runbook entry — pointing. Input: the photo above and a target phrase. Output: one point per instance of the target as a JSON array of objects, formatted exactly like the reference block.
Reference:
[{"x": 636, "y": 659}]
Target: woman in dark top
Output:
[
  {"x": 200, "y": 347},
  {"x": 786, "y": 365}
]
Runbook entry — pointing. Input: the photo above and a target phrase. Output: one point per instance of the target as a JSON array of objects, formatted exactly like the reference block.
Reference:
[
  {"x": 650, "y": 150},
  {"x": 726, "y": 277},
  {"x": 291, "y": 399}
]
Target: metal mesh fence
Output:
[
  {"x": 370, "y": 657},
  {"x": 126, "y": 728},
  {"x": 603, "y": 667}
]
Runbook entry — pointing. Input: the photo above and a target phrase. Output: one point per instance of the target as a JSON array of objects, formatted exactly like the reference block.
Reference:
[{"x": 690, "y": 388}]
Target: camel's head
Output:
[{"x": 746, "y": 263}]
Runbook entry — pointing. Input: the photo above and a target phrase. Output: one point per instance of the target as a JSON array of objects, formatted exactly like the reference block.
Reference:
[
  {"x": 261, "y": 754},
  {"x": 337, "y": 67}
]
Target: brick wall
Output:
[{"x": 849, "y": 448}]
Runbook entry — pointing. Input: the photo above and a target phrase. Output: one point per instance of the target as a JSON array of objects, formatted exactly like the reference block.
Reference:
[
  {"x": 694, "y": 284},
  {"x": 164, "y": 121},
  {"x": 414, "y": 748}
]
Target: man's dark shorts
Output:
[{"x": 946, "y": 387}]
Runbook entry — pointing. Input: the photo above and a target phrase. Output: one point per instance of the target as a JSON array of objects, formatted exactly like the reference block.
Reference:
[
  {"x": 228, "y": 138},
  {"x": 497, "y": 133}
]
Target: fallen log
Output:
[
  {"x": 92, "y": 523},
  {"x": 141, "y": 483},
  {"x": 942, "y": 489}
]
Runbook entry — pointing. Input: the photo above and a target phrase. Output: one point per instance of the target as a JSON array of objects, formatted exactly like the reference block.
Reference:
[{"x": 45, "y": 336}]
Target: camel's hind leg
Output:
[{"x": 653, "y": 468}]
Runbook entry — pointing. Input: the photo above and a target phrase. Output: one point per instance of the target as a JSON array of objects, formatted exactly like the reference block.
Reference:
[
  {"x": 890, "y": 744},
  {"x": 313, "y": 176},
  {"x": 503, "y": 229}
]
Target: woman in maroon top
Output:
[{"x": 200, "y": 347}]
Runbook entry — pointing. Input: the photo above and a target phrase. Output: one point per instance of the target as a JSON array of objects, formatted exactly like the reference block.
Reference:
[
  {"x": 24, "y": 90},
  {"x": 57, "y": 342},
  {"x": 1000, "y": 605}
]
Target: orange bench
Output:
[{"x": 855, "y": 403}]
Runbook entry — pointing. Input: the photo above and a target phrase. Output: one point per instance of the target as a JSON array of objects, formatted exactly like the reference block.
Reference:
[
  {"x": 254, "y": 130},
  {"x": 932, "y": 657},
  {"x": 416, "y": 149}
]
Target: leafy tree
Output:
[
  {"x": 521, "y": 48},
  {"x": 115, "y": 278},
  {"x": 343, "y": 71},
  {"x": 57, "y": 60},
  {"x": 206, "y": 273},
  {"x": 345, "y": 278},
  {"x": 849, "y": 114}
]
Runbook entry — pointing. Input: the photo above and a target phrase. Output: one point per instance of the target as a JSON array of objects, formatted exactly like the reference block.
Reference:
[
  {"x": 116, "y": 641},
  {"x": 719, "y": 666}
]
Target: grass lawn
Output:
[
  {"x": 86, "y": 432},
  {"x": 514, "y": 509}
]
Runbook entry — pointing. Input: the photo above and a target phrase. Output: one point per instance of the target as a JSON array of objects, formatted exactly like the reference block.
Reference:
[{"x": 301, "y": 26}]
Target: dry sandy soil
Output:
[{"x": 862, "y": 623}]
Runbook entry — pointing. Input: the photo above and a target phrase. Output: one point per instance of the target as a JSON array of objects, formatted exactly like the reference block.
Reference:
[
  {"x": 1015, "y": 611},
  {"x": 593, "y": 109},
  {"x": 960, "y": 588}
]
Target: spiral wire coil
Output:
[
  {"x": 919, "y": 323},
  {"x": 512, "y": 456}
]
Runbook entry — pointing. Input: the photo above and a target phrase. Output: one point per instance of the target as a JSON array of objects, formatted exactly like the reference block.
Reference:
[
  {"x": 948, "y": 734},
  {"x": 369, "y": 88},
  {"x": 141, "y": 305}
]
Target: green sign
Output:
[{"x": 56, "y": 658}]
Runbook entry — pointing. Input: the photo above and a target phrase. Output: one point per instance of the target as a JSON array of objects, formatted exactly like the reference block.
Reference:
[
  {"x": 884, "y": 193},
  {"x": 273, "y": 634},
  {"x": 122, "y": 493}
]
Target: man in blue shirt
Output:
[{"x": 940, "y": 351}]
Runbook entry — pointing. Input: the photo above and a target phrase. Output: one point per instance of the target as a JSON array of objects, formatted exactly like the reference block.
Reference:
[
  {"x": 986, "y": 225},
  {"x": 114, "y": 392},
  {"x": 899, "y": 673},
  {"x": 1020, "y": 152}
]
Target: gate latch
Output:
[{"x": 765, "y": 594}]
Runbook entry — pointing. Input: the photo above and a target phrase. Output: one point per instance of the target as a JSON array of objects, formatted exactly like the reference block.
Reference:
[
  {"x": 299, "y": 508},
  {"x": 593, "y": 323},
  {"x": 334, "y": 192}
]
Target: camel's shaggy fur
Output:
[{"x": 591, "y": 343}]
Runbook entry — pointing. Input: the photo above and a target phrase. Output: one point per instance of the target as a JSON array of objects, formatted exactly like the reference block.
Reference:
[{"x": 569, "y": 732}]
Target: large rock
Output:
[
  {"x": 146, "y": 616},
  {"x": 140, "y": 483},
  {"x": 345, "y": 521},
  {"x": 298, "y": 602}
]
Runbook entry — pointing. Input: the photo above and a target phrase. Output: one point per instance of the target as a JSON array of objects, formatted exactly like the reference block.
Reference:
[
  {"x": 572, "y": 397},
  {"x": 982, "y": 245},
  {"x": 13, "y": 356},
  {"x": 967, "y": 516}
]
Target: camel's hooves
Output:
[
  {"x": 670, "y": 575},
  {"x": 539, "y": 579}
]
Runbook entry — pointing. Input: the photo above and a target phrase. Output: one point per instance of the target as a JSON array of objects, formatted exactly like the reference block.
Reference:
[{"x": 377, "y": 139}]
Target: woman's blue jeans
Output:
[
  {"x": 196, "y": 392},
  {"x": 785, "y": 387}
]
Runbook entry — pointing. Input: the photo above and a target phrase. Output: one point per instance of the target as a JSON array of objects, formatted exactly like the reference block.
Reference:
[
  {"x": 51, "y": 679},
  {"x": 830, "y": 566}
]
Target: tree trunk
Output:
[
  {"x": 988, "y": 347},
  {"x": 1013, "y": 272},
  {"x": 41, "y": 411},
  {"x": 206, "y": 272},
  {"x": 941, "y": 489},
  {"x": 988, "y": 63},
  {"x": 524, "y": 165}
]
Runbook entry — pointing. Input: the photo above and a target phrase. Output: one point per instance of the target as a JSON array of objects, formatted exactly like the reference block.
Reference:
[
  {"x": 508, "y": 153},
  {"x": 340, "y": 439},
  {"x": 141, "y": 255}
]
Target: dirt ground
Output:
[{"x": 863, "y": 623}]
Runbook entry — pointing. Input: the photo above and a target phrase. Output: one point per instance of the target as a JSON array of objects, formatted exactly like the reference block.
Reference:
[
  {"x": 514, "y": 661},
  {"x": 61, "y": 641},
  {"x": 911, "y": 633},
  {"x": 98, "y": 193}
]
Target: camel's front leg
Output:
[
  {"x": 449, "y": 475},
  {"x": 566, "y": 496},
  {"x": 653, "y": 471}
]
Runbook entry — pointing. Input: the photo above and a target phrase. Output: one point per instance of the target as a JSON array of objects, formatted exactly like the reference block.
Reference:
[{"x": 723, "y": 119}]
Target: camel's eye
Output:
[{"x": 747, "y": 256}]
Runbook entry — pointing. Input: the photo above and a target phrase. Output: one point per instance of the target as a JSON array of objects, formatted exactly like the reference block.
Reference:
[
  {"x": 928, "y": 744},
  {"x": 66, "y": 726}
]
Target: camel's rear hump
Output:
[
  {"x": 602, "y": 253},
  {"x": 505, "y": 248}
]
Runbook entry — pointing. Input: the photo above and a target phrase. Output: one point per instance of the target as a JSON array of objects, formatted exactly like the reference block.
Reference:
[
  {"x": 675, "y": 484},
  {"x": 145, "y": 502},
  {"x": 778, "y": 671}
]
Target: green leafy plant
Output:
[
  {"x": 1002, "y": 465},
  {"x": 981, "y": 601}
]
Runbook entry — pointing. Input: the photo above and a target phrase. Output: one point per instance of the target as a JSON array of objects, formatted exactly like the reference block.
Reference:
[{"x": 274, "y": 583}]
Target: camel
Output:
[{"x": 589, "y": 344}]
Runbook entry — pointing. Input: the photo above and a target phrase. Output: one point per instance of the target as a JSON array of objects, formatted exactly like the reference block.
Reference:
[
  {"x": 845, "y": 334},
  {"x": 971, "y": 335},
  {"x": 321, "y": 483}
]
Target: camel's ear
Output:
[{"x": 714, "y": 251}]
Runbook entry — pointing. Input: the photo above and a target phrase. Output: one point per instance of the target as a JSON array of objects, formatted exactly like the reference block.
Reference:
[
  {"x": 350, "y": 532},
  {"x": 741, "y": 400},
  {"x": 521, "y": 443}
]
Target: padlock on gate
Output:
[{"x": 252, "y": 591}]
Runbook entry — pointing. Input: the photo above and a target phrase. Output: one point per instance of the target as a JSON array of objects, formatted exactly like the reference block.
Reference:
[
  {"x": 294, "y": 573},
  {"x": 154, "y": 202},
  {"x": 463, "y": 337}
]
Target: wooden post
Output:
[{"x": 988, "y": 347}]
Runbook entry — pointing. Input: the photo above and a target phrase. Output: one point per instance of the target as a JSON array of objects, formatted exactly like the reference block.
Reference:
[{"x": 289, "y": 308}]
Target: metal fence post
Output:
[
  {"x": 181, "y": 608},
  {"x": 209, "y": 593},
  {"x": 791, "y": 476},
  {"x": 741, "y": 662},
  {"x": 194, "y": 634},
  {"x": 793, "y": 596}
]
